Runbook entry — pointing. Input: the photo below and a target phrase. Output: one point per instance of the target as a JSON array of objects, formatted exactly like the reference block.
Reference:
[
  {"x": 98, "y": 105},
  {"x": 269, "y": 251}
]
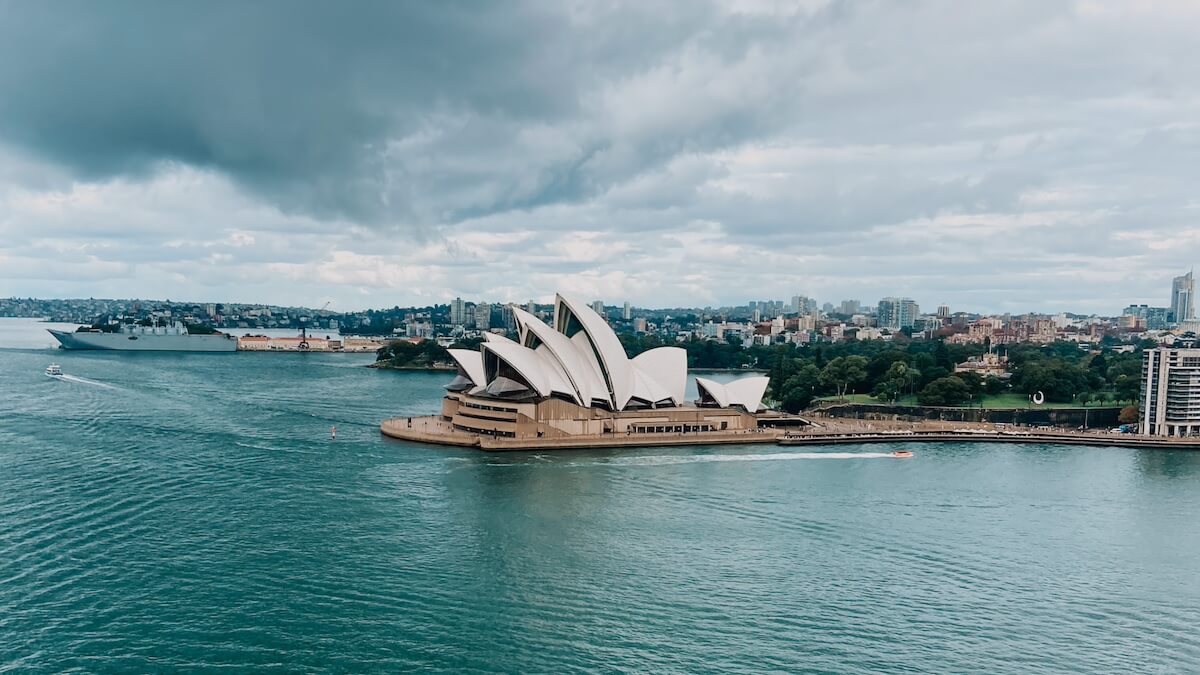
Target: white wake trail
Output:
[
  {"x": 660, "y": 460},
  {"x": 84, "y": 380}
]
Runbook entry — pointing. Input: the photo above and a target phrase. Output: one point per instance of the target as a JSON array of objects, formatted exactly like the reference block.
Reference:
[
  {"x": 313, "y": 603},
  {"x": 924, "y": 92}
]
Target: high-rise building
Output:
[
  {"x": 626, "y": 311},
  {"x": 850, "y": 307},
  {"x": 896, "y": 313},
  {"x": 1170, "y": 396},
  {"x": 943, "y": 312},
  {"x": 483, "y": 316},
  {"x": 1183, "y": 297},
  {"x": 598, "y": 306},
  {"x": 458, "y": 313}
]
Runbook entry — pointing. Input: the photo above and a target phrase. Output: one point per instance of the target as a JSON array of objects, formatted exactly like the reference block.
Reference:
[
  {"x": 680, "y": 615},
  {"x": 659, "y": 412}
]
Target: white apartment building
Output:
[{"x": 1170, "y": 398}]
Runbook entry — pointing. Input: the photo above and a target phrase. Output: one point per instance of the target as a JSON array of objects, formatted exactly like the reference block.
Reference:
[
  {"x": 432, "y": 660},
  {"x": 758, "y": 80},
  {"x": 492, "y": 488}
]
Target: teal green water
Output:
[{"x": 189, "y": 512}]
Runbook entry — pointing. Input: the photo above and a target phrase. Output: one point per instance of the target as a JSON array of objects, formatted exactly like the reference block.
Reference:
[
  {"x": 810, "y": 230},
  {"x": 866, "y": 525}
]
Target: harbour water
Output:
[{"x": 190, "y": 512}]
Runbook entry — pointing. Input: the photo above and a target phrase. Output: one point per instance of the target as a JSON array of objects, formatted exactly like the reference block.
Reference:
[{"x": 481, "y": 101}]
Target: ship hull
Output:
[{"x": 146, "y": 342}]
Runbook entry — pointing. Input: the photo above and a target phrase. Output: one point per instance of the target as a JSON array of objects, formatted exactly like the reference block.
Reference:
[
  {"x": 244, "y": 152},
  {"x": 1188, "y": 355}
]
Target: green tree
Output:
[
  {"x": 944, "y": 391},
  {"x": 844, "y": 373},
  {"x": 800, "y": 389},
  {"x": 898, "y": 379}
]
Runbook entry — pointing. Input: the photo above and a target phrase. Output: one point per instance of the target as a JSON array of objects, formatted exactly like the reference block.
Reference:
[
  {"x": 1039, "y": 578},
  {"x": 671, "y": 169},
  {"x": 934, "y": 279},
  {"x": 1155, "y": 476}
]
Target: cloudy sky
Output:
[{"x": 998, "y": 156}]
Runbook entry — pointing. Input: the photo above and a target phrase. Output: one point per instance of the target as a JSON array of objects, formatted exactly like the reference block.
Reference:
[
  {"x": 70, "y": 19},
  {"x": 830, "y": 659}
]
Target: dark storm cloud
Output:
[{"x": 297, "y": 100}]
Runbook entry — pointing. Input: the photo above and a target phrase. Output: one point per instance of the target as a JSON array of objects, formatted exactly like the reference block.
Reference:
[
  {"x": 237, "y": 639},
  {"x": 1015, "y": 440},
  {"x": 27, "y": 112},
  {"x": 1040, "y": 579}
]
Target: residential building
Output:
[
  {"x": 1153, "y": 318},
  {"x": 1170, "y": 396},
  {"x": 626, "y": 311},
  {"x": 896, "y": 313},
  {"x": 598, "y": 307},
  {"x": 483, "y": 316},
  {"x": 458, "y": 313}
]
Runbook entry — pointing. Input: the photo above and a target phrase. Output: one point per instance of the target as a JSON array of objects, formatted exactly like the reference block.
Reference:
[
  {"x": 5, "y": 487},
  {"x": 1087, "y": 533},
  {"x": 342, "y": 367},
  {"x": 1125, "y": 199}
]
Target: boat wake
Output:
[
  {"x": 664, "y": 460},
  {"x": 84, "y": 380}
]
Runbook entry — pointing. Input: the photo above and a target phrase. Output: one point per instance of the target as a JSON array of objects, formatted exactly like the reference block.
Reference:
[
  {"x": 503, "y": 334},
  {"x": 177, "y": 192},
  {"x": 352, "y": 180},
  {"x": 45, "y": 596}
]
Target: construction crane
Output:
[{"x": 304, "y": 329}]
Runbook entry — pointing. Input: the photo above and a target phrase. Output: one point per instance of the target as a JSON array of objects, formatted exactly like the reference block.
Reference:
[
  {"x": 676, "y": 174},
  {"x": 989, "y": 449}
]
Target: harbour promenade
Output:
[
  {"x": 434, "y": 430},
  {"x": 833, "y": 430}
]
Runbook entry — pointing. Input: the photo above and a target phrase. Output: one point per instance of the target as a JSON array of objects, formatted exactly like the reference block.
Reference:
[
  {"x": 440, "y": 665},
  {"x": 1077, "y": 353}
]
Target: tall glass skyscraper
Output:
[{"x": 1183, "y": 297}]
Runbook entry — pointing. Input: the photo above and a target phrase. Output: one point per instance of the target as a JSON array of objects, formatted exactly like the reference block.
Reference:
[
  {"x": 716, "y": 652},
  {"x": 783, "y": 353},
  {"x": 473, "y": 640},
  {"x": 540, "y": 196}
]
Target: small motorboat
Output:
[
  {"x": 902, "y": 454},
  {"x": 54, "y": 370}
]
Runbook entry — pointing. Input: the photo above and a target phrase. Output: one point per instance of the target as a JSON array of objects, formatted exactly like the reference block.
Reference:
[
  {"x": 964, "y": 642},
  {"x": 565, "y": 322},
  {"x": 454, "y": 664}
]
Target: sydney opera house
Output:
[{"x": 573, "y": 382}]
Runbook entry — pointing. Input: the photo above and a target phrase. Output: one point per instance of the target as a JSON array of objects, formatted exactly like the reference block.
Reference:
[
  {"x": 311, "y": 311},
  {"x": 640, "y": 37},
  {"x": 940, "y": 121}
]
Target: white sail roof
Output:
[
  {"x": 582, "y": 359},
  {"x": 540, "y": 372},
  {"x": 665, "y": 367},
  {"x": 746, "y": 392},
  {"x": 471, "y": 363},
  {"x": 582, "y": 375},
  {"x": 592, "y": 333}
]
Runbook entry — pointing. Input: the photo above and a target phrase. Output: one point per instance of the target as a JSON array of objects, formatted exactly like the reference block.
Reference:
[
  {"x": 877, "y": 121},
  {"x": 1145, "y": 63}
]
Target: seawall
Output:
[{"x": 1057, "y": 438}]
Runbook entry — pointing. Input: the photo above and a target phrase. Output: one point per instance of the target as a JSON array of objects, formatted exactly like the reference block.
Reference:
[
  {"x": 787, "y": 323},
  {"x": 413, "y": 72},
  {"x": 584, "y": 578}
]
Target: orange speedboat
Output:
[{"x": 902, "y": 454}]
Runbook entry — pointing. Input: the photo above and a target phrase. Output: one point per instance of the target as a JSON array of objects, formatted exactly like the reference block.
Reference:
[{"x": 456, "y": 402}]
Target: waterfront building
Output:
[
  {"x": 1170, "y": 395},
  {"x": 1183, "y": 298},
  {"x": 896, "y": 313},
  {"x": 575, "y": 379}
]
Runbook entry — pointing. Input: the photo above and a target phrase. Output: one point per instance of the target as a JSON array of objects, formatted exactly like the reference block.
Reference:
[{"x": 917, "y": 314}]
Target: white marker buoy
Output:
[{"x": 333, "y": 433}]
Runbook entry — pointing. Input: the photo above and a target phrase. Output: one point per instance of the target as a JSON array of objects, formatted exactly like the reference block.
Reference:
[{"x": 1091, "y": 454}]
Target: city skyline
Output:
[
  {"x": 1180, "y": 295},
  {"x": 1030, "y": 157}
]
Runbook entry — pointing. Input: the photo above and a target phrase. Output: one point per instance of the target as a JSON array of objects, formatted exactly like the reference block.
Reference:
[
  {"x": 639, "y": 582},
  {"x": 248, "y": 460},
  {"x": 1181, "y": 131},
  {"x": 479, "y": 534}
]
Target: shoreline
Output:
[{"x": 431, "y": 429}]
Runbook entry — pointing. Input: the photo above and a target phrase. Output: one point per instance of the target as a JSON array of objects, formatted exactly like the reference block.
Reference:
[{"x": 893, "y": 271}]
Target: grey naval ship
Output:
[{"x": 173, "y": 338}]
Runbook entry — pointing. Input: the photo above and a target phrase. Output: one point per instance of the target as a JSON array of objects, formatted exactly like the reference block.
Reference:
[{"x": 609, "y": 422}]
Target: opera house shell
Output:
[{"x": 574, "y": 379}]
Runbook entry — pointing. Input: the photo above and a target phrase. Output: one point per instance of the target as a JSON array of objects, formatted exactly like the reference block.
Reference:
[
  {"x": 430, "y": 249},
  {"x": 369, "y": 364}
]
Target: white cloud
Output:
[{"x": 1028, "y": 155}]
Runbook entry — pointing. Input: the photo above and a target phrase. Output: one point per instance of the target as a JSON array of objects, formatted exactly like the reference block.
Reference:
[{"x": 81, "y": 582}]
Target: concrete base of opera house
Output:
[{"x": 435, "y": 430}]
